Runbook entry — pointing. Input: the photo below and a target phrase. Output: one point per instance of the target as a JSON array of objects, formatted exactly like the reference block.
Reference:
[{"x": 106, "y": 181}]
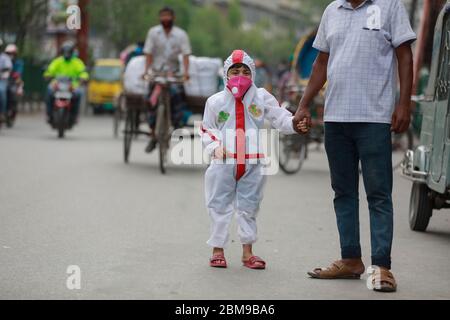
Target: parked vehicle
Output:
[{"x": 428, "y": 165}]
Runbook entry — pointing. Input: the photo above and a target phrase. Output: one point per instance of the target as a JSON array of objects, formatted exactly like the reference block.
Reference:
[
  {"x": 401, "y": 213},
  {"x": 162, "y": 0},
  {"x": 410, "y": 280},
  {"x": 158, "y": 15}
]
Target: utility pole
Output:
[{"x": 83, "y": 33}]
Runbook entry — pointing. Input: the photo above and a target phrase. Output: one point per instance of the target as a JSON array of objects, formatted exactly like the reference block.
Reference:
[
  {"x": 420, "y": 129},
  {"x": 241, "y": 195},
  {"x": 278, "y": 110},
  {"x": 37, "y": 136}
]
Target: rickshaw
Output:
[
  {"x": 105, "y": 85},
  {"x": 294, "y": 148},
  {"x": 428, "y": 165},
  {"x": 135, "y": 106}
]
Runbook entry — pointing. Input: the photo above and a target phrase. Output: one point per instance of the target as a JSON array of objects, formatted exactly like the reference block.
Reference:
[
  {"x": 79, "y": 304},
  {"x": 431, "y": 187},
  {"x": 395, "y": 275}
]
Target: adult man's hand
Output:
[
  {"x": 302, "y": 115},
  {"x": 401, "y": 119},
  {"x": 186, "y": 77}
]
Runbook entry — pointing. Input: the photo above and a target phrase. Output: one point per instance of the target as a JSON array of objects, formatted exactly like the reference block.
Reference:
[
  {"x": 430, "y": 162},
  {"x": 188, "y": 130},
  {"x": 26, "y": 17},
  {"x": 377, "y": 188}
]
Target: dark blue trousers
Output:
[{"x": 346, "y": 145}]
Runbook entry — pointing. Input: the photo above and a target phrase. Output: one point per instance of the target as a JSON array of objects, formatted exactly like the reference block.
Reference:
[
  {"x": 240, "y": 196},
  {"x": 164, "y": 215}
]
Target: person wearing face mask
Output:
[
  {"x": 66, "y": 65},
  {"x": 235, "y": 179},
  {"x": 163, "y": 46}
]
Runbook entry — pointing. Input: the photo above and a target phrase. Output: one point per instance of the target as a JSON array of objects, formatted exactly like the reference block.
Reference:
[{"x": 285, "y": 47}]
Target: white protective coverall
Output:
[{"x": 236, "y": 184}]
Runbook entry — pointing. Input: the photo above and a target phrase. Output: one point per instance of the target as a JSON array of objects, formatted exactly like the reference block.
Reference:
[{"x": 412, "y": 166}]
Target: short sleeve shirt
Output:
[
  {"x": 166, "y": 49},
  {"x": 362, "y": 65}
]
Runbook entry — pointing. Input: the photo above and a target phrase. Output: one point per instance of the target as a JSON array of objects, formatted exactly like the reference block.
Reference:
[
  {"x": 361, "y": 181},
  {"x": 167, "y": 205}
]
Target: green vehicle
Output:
[{"x": 428, "y": 166}]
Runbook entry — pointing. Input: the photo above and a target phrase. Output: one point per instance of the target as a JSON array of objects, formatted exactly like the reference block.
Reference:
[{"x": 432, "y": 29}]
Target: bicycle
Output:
[
  {"x": 293, "y": 149},
  {"x": 164, "y": 125},
  {"x": 136, "y": 105}
]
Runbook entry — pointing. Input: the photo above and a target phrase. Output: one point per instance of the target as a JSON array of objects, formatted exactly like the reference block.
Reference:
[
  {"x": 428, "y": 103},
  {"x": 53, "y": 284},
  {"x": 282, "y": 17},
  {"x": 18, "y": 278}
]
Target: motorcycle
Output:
[
  {"x": 15, "y": 90},
  {"x": 62, "y": 119}
]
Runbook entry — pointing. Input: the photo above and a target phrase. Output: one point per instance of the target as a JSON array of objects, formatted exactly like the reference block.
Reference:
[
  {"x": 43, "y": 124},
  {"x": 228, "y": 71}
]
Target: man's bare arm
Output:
[
  {"x": 186, "y": 67},
  {"x": 402, "y": 114},
  {"x": 317, "y": 79},
  {"x": 148, "y": 63},
  {"x": 315, "y": 84}
]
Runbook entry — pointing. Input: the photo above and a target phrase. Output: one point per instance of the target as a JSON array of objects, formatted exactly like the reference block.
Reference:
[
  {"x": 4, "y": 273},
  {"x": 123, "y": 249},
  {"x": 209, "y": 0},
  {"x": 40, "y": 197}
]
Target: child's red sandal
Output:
[
  {"x": 255, "y": 263},
  {"x": 218, "y": 261}
]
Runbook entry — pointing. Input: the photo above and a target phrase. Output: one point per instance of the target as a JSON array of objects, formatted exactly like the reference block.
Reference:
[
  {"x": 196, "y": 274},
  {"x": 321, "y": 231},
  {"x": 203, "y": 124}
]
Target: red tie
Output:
[{"x": 240, "y": 139}]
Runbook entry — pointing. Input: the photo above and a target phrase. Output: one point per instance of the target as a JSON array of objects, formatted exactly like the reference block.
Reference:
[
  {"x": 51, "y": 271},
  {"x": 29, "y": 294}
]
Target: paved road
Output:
[{"x": 138, "y": 235}]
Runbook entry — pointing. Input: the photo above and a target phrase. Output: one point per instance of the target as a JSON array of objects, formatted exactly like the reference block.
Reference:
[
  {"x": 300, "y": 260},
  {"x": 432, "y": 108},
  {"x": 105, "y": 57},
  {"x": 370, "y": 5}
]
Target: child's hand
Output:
[
  {"x": 221, "y": 153},
  {"x": 303, "y": 126}
]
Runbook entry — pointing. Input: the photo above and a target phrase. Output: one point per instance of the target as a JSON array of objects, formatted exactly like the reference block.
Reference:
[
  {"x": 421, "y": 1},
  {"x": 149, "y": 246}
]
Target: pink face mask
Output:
[{"x": 239, "y": 85}]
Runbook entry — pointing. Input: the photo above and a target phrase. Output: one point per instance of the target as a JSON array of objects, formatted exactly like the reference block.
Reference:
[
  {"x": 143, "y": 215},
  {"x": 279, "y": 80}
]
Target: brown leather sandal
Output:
[
  {"x": 383, "y": 280},
  {"x": 337, "y": 270}
]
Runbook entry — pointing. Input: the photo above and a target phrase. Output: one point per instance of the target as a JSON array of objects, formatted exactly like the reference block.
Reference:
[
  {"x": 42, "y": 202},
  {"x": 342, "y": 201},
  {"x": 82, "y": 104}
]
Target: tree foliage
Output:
[
  {"x": 212, "y": 31},
  {"x": 21, "y": 22}
]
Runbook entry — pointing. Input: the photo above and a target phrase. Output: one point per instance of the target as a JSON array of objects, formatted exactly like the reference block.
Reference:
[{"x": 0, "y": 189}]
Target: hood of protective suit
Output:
[{"x": 238, "y": 56}]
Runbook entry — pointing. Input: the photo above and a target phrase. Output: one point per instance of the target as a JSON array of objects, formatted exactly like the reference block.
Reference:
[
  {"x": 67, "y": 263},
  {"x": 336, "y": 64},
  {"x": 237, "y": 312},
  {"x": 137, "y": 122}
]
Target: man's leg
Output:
[
  {"x": 343, "y": 162},
  {"x": 76, "y": 99},
  {"x": 178, "y": 105},
  {"x": 375, "y": 150},
  {"x": 151, "y": 119},
  {"x": 49, "y": 103}
]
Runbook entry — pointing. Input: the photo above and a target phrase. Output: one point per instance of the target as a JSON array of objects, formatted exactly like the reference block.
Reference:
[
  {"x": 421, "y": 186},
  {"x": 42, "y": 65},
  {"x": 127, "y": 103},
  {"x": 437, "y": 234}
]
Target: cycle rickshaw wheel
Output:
[
  {"x": 292, "y": 153},
  {"x": 162, "y": 129},
  {"x": 128, "y": 135},
  {"x": 118, "y": 114}
]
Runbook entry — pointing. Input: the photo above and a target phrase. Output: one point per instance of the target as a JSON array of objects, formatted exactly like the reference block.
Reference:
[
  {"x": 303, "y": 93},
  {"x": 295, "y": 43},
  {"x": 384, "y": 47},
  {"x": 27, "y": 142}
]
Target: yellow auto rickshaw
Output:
[{"x": 105, "y": 84}]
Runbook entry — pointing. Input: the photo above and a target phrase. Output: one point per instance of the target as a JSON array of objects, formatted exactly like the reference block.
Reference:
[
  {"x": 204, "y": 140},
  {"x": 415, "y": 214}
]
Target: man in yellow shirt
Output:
[{"x": 66, "y": 65}]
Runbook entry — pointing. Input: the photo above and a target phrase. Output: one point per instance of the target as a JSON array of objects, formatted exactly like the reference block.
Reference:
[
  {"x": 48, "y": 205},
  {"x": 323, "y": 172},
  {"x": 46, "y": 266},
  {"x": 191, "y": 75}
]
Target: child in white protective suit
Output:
[{"x": 235, "y": 179}]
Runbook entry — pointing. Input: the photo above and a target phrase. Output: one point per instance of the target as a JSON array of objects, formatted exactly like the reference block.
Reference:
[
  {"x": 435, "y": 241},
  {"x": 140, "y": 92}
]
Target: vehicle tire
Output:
[
  {"x": 116, "y": 123},
  {"x": 59, "y": 120},
  {"x": 162, "y": 159},
  {"x": 162, "y": 130},
  {"x": 9, "y": 122},
  {"x": 420, "y": 207},
  {"x": 96, "y": 109},
  {"x": 10, "y": 117},
  {"x": 128, "y": 135},
  {"x": 117, "y": 116},
  {"x": 292, "y": 153}
]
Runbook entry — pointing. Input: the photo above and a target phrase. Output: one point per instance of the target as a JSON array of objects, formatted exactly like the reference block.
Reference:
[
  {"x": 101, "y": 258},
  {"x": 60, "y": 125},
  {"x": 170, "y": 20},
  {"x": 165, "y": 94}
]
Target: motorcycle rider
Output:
[
  {"x": 13, "y": 52},
  {"x": 66, "y": 65},
  {"x": 15, "y": 83},
  {"x": 5, "y": 69}
]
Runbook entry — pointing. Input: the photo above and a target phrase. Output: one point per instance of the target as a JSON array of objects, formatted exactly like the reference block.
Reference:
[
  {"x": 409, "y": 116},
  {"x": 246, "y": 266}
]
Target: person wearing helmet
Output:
[
  {"x": 5, "y": 70},
  {"x": 235, "y": 179},
  {"x": 66, "y": 65},
  {"x": 13, "y": 52},
  {"x": 15, "y": 83}
]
